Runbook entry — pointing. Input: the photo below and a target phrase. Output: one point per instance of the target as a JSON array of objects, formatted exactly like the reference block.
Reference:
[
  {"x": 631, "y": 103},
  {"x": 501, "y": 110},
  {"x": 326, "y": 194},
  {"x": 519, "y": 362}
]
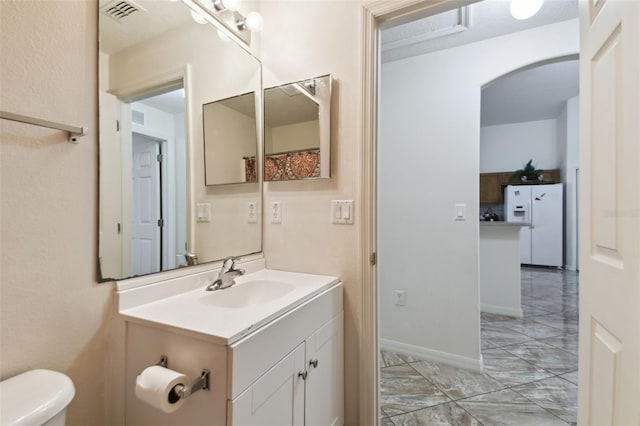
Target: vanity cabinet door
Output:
[
  {"x": 276, "y": 398},
  {"x": 324, "y": 387}
]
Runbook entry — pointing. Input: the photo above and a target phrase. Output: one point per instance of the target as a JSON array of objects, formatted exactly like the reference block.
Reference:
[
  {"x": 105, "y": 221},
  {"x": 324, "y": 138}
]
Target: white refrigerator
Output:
[{"x": 539, "y": 207}]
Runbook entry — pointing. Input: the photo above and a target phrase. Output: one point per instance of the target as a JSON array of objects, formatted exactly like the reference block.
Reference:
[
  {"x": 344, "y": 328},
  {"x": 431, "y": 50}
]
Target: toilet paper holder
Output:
[{"x": 181, "y": 391}]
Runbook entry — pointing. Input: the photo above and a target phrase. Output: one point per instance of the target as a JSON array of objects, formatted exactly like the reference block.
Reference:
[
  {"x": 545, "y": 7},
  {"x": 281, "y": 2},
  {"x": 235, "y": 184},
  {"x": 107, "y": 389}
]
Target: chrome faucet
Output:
[
  {"x": 226, "y": 275},
  {"x": 190, "y": 258}
]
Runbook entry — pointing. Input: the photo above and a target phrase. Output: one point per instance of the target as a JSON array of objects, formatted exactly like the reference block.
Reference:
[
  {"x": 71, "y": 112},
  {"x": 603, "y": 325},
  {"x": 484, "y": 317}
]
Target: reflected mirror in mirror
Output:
[
  {"x": 157, "y": 67},
  {"x": 297, "y": 130},
  {"x": 230, "y": 147}
]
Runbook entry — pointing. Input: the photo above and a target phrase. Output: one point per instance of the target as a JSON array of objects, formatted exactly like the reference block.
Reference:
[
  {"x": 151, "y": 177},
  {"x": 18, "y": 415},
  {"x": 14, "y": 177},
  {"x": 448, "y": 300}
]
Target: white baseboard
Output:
[
  {"x": 432, "y": 355},
  {"x": 501, "y": 310}
]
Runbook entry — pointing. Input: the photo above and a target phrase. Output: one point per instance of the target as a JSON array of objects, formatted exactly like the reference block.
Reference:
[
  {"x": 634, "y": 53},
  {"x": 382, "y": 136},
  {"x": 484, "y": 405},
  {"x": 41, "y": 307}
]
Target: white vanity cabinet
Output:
[
  {"x": 304, "y": 388},
  {"x": 287, "y": 370}
]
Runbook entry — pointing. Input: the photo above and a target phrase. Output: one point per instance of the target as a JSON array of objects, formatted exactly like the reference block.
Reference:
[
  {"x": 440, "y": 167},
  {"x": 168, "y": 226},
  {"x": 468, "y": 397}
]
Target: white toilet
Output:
[{"x": 35, "y": 398}]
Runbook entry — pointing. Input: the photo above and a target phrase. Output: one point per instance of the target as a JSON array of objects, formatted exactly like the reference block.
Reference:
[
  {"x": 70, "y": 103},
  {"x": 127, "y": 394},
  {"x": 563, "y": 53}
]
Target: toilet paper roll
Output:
[{"x": 154, "y": 386}]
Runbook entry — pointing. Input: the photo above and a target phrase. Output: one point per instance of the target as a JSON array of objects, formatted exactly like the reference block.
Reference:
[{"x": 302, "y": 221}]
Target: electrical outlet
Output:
[
  {"x": 399, "y": 298},
  {"x": 276, "y": 212},
  {"x": 252, "y": 212}
]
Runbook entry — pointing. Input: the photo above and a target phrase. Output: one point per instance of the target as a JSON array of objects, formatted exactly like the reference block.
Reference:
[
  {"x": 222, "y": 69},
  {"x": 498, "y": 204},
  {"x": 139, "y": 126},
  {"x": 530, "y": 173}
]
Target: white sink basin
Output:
[
  {"x": 225, "y": 316},
  {"x": 247, "y": 294}
]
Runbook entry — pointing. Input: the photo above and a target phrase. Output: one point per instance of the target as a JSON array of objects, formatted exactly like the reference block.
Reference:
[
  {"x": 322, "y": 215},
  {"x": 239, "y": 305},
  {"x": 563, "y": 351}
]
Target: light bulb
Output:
[
  {"x": 253, "y": 22},
  {"x": 232, "y": 5},
  {"x": 198, "y": 18},
  {"x": 524, "y": 9}
]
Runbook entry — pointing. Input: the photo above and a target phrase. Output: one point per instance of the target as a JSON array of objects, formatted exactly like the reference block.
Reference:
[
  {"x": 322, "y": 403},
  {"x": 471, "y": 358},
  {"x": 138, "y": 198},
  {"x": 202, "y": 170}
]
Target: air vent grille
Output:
[
  {"x": 120, "y": 9},
  {"x": 137, "y": 117}
]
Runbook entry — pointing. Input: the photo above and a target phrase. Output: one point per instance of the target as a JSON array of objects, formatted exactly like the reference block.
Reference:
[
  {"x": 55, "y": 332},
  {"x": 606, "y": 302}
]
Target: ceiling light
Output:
[{"x": 524, "y": 9}]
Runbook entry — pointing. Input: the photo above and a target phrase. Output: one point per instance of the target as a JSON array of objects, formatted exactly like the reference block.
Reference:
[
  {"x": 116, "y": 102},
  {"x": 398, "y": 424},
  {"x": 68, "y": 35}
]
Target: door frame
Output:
[{"x": 375, "y": 15}]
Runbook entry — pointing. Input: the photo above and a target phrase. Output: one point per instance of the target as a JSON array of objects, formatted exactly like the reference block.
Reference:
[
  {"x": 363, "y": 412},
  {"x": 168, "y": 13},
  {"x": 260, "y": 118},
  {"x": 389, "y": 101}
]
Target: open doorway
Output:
[
  {"x": 157, "y": 158},
  {"x": 430, "y": 326}
]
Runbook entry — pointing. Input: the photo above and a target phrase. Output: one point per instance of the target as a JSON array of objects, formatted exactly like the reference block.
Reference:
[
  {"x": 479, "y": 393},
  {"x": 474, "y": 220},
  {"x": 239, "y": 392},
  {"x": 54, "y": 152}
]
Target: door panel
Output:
[
  {"x": 146, "y": 206},
  {"x": 276, "y": 399},
  {"x": 324, "y": 402},
  {"x": 609, "y": 213}
]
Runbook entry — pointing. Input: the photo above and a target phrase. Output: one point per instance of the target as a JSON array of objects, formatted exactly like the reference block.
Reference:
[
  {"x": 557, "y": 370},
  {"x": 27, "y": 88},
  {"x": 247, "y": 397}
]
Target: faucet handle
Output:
[
  {"x": 226, "y": 260},
  {"x": 190, "y": 258}
]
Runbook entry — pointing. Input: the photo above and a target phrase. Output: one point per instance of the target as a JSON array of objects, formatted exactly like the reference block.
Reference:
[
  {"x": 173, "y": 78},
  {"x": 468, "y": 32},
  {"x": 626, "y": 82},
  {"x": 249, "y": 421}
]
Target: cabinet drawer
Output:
[{"x": 252, "y": 356}]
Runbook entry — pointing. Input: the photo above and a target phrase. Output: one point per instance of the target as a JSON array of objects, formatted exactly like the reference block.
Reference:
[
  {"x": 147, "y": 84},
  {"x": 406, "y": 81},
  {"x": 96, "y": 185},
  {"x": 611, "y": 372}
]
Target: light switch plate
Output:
[
  {"x": 275, "y": 213},
  {"x": 460, "y": 212},
  {"x": 342, "y": 212},
  {"x": 203, "y": 212},
  {"x": 252, "y": 212}
]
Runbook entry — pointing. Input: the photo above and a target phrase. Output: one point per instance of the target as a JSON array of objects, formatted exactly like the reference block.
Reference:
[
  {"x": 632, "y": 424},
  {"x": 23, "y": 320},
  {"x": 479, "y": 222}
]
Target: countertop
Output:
[{"x": 210, "y": 315}]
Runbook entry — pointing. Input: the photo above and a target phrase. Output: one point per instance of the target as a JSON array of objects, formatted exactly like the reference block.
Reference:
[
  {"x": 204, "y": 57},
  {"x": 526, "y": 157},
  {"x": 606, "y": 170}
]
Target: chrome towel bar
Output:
[{"x": 74, "y": 132}]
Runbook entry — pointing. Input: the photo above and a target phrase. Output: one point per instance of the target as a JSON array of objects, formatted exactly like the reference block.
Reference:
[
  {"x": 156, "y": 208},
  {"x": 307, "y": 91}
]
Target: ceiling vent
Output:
[
  {"x": 137, "y": 117},
  {"x": 120, "y": 9}
]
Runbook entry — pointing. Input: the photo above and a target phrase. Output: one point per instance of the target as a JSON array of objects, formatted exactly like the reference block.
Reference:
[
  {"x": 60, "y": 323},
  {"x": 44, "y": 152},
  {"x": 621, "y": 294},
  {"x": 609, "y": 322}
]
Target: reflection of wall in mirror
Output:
[
  {"x": 292, "y": 137},
  {"x": 229, "y": 137},
  {"x": 210, "y": 77}
]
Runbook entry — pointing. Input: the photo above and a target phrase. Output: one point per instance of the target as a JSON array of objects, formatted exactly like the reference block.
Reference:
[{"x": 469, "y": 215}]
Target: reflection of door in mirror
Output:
[
  {"x": 297, "y": 130},
  {"x": 151, "y": 232}
]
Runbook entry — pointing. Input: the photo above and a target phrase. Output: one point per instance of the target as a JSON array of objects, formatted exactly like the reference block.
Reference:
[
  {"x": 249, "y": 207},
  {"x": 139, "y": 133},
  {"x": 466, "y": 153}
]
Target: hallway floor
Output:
[{"x": 530, "y": 367}]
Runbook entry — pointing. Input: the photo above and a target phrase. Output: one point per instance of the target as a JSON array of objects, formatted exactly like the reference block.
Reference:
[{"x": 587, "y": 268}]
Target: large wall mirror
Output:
[
  {"x": 159, "y": 69},
  {"x": 297, "y": 130}
]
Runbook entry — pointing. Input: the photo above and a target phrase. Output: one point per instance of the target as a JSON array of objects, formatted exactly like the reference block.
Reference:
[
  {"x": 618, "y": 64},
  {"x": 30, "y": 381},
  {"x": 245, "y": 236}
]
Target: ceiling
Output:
[
  {"x": 171, "y": 102},
  {"x": 479, "y": 21},
  {"x": 286, "y": 105},
  {"x": 538, "y": 93},
  {"x": 533, "y": 94},
  {"x": 151, "y": 19}
]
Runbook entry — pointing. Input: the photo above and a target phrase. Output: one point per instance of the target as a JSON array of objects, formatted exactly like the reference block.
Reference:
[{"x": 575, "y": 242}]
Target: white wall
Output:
[
  {"x": 296, "y": 136},
  {"x": 429, "y": 161},
  {"x": 569, "y": 164},
  {"x": 53, "y": 313},
  {"x": 306, "y": 241},
  {"x": 508, "y": 147}
]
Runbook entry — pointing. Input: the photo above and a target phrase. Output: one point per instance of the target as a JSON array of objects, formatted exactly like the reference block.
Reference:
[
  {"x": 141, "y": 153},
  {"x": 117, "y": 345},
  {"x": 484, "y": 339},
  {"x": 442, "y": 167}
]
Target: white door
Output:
[
  {"x": 546, "y": 225},
  {"x": 145, "y": 230},
  {"x": 609, "y": 390},
  {"x": 324, "y": 401},
  {"x": 110, "y": 188}
]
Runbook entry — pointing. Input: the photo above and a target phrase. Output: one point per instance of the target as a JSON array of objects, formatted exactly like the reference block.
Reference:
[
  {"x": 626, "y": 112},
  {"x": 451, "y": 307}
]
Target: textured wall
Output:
[
  {"x": 327, "y": 41},
  {"x": 53, "y": 313}
]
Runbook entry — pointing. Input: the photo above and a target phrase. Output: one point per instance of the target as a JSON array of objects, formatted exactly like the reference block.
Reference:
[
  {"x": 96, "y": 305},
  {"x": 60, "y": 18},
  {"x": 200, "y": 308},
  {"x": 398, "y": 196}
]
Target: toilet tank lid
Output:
[{"x": 34, "y": 397}]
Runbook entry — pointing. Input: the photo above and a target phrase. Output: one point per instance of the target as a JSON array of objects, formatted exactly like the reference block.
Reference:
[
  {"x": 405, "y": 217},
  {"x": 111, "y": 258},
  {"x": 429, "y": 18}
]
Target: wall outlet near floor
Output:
[
  {"x": 252, "y": 212},
  {"x": 275, "y": 212},
  {"x": 399, "y": 297}
]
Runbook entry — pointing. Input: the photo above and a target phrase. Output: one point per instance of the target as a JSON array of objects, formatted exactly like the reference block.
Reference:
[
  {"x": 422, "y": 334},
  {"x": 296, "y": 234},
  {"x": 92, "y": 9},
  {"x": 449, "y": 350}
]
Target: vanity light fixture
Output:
[
  {"x": 524, "y": 9},
  {"x": 226, "y": 13}
]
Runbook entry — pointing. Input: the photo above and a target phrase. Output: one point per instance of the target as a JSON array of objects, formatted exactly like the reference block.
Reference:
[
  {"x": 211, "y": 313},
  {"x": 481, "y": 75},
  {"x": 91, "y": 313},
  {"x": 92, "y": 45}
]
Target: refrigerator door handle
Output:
[{"x": 530, "y": 211}]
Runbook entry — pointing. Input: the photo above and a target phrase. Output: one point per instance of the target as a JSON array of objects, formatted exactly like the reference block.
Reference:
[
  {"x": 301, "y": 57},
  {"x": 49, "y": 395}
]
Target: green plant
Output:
[{"x": 529, "y": 172}]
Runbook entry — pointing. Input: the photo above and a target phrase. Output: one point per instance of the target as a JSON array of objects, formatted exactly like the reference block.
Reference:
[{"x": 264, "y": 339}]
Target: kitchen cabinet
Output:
[
  {"x": 304, "y": 388},
  {"x": 490, "y": 188},
  {"x": 492, "y": 184}
]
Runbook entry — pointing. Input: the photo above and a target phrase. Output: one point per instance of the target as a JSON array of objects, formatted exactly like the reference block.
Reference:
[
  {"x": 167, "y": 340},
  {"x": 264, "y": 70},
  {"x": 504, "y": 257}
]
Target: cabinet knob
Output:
[
  {"x": 303, "y": 374},
  {"x": 313, "y": 363}
]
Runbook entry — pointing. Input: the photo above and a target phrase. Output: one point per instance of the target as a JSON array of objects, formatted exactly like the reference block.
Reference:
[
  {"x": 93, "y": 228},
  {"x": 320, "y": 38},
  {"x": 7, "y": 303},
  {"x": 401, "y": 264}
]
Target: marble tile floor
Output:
[{"x": 530, "y": 367}]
